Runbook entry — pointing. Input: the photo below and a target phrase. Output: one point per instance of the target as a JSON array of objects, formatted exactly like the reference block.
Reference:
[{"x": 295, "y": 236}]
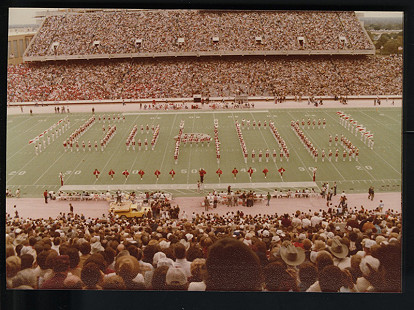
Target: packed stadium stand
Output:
[
  {"x": 218, "y": 77},
  {"x": 324, "y": 54},
  {"x": 186, "y": 31},
  {"x": 355, "y": 251}
]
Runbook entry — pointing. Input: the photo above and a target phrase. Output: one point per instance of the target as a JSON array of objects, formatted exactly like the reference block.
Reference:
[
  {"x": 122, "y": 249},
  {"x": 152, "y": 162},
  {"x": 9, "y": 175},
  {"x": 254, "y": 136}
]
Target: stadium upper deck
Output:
[{"x": 119, "y": 34}]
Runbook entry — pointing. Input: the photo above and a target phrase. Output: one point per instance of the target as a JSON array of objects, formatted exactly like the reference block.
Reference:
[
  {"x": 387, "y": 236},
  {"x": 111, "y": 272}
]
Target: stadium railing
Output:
[{"x": 198, "y": 54}]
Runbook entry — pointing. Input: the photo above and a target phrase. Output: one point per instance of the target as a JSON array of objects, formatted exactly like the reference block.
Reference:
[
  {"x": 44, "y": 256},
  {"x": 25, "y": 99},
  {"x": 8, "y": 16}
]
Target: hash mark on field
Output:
[{"x": 50, "y": 166}]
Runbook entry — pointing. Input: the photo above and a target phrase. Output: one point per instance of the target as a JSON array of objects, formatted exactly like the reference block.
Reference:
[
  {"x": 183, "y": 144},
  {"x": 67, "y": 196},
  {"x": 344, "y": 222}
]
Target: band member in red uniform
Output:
[
  {"x": 126, "y": 174},
  {"x": 344, "y": 155},
  {"x": 219, "y": 172},
  {"x": 61, "y": 176},
  {"x": 336, "y": 155},
  {"x": 274, "y": 155},
  {"x": 314, "y": 174},
  {"x": 157, "y": 173},
  {"x": 141, "y": 173},
  {"x": 96, "y": 173},
  {"x": 265, "y": 171},
  {"x": 235, "y": 172},
  {"x": 202, "y": 173},
  {"x": 111, "y": 173},
  {"x": 250, "y": 172},
  {"x": 281, "y": 170},
  {"x": 267, "y": 154},
  {"x": 172, "y": 173}
]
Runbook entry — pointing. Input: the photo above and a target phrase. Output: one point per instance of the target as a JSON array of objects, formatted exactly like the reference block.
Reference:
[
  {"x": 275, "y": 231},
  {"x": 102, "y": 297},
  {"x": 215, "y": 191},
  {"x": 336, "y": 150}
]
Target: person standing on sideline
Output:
[
  {"x": 61, "y": 178},
  {"x": 206, "y": 203},
  {"x": 268, "y": 198},
  {"x": 381, "y": 206},
  {"x": 71, "y": 208},
  {"x": 334, "y": 188},
  {"x": 45, "y": 195},
  {"x": 18, "y": 193}
]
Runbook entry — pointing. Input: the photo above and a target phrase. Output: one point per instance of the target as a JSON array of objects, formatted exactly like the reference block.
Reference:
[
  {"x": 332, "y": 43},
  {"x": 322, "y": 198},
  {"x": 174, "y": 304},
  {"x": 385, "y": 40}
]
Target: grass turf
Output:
[{"x": 33, "y": 174}]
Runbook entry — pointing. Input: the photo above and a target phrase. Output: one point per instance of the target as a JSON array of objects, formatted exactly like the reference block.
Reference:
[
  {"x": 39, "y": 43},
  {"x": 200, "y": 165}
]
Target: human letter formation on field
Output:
[
  {"x": 352, "y": 125},
  {"x": 49, "y": 135},
  {"x": 241, "y": 140},
  {"x": 74, "y": 137},
  {"x": 178, "y": 142}
]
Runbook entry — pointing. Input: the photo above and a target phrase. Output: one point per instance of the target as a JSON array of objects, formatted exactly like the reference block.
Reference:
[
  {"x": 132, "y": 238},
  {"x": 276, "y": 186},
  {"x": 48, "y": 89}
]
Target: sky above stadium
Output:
[{"x": 26, "y": 16}]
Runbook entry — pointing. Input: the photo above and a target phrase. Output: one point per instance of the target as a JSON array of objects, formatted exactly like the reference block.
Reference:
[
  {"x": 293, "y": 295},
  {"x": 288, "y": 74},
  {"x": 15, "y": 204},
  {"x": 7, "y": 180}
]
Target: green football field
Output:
[{"x": 380, "y": 167}]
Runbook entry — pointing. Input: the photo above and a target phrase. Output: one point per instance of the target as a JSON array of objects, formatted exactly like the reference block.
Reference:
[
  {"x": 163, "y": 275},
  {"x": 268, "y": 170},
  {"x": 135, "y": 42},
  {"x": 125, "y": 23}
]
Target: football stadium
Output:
[{"x": 204, "y": 150}]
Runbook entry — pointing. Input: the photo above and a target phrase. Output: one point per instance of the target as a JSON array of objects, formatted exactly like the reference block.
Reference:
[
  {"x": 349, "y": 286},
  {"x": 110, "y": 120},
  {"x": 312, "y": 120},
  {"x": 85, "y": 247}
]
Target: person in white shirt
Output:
[
  {"x": 315, "y": 220},
  {"x": 306, "y": 222},
  {"x": 180, "y": 259}
]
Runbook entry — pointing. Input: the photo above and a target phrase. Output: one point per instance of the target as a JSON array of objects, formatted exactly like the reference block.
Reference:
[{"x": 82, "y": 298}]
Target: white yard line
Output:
[
  {"x": 189, "y": 160},
  {"x": 134, "y": 123},
  {"x": 26, "y": 145},
  {"x": 277, "y": 168},
  {"x": 189, "y": 187},
  {"x": 320, "y": 149},
  {"x": 29, "y": 118},
  {"x": 168, "y": 142},
  {"x": 107, "y": 162},
  {"x": 399, "y": 172},
  {"x": 301, "y": 160},
  {"x": 234, "y": 127},
  {"x": 50, "y": 166}
]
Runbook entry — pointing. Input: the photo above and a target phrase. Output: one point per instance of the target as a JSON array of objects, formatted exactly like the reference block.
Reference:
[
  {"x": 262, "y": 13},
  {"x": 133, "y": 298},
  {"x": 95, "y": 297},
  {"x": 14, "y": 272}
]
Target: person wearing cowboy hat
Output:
[
  {"x": 292, "y": 255},
  {"x": 340, "y": 252}
]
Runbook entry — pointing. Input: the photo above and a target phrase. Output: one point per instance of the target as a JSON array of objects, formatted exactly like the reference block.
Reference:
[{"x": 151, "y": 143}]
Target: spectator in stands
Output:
[
  {"x": 225, "y": 259},
  {"x": 176, "y": 279},
  {"x": 232, "y": 244},
  {"x": 60, "y": 270}
]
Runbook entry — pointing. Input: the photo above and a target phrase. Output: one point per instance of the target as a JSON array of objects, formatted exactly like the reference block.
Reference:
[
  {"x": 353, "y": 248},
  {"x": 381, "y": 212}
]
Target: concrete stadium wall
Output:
[{"x": 187, "y": 100}]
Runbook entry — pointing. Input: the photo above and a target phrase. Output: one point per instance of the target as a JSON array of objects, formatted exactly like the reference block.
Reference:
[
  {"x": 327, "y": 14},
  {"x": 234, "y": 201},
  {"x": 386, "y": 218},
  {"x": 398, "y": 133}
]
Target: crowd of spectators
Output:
[
  {"x": 355, "y": 250},
  {"x": 210, "y": 76},
  {"x": 159, "y": 30}
]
